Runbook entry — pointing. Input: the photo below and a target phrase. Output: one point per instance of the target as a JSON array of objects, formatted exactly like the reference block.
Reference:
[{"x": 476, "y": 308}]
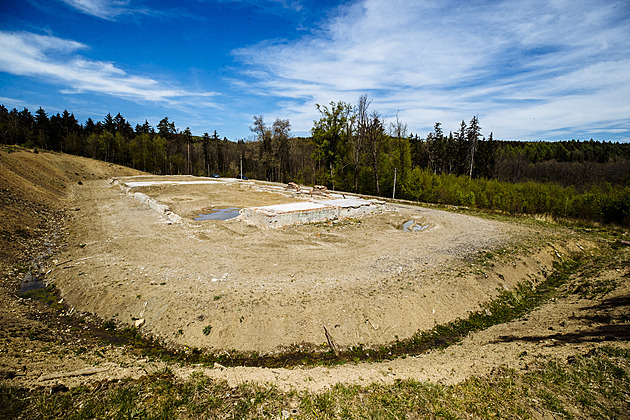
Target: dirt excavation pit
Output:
[{"x": 377, "y": 273}]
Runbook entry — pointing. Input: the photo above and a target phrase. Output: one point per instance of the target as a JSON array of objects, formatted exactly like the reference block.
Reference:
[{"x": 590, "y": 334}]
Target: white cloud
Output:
[
  {"x": 12, "y": 102},
  {"x": 58, "y": 61},
  {"x": 100, "y": 8},
  {"x": 293, "y": 5},
  {"x": 563, "y": 62}
]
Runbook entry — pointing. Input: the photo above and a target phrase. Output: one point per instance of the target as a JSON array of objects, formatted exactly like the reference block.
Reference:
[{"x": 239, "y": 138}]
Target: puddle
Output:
[
  {"x": 220, "y": 214},
  {"x": 30, "y": 283},
  {"x": 413, "y": 226},
  {"x": 34, "y": 279}
]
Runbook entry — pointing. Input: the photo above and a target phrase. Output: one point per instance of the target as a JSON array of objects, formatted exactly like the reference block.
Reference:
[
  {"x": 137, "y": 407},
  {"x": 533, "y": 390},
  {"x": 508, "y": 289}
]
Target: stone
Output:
[
  {"x": 320, "y": 190},
  {"x": 292, "y": 186}
]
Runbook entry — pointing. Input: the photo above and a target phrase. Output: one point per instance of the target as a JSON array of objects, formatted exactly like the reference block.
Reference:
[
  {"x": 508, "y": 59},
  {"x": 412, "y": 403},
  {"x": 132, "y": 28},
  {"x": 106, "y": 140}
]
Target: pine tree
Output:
[
  {"x": 473, "y": 133},
  {"x": 42, "y": 124},
  {"x": 108, "y": 123}
]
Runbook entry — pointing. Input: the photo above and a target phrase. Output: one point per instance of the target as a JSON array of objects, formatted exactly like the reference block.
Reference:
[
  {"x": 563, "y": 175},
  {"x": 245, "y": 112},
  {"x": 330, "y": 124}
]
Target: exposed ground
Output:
[
  {"x": 223, "y": 285},
  {"x": 265, "y": 289}
]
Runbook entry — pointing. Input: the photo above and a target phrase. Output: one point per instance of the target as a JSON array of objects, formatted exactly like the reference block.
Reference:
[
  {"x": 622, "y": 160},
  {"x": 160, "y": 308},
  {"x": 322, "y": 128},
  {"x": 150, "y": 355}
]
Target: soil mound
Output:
[{"x": 34, "y": 186}]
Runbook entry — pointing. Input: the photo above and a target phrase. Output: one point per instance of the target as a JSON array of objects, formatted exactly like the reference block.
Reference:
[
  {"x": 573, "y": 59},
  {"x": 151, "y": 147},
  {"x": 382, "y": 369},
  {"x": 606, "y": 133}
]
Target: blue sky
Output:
[{"x": 530, "y": 70}]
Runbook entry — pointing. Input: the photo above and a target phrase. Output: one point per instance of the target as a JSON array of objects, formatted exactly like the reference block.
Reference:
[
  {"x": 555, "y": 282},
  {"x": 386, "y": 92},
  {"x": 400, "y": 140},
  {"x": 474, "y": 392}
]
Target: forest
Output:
[{"x": 354, "y": 148}]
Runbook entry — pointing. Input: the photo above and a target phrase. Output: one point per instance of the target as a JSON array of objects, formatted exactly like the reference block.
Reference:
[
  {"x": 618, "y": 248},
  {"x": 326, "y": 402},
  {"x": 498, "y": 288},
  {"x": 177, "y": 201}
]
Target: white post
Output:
[{"x": 394, "y": 193}]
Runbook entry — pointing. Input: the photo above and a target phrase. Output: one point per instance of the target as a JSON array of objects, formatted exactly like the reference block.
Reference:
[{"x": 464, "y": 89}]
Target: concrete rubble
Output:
[
  {"x": 320, "y": 190},
  {"x": 292, "y": 186}
]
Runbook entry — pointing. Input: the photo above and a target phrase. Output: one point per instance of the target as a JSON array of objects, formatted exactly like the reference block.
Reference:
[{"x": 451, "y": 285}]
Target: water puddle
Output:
[
  {"x": 30, "y": 283},
  {"x": 220, "y": 214},
  {"x": 34, "y": 279},
  {"x": 413, "y": 226}
]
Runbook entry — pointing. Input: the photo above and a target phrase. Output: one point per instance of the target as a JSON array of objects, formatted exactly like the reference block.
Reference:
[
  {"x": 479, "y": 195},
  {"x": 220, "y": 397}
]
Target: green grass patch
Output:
[
  {"x": 594, "y": 385},
  {"x": 48, "y": 295}
]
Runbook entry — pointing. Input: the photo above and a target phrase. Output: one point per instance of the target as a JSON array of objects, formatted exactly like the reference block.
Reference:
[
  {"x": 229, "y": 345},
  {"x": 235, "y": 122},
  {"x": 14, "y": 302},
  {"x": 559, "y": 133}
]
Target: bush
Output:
[{"x": 602, "y": 203}]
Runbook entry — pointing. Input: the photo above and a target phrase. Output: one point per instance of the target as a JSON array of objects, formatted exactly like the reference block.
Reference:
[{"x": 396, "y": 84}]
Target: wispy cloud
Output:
[
  {"x": 12, "y": 102},
  {"x": 58, "y": 61},
  {"x": 527, "y": 68},
  {"x": 293, "y": 5},
  {"x": 103, "y": 9},
  {"x": 119, "y": 10}
]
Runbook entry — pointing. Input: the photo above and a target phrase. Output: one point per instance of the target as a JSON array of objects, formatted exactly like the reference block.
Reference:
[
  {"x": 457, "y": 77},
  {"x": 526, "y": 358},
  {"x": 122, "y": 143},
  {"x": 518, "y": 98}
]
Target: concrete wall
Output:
[{"x": 310, "y": 212}]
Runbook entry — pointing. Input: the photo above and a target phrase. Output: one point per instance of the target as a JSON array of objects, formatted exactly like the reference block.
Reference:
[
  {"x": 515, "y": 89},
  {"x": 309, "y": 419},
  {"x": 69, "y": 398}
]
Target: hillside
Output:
[{"x": 34, "y": 187}]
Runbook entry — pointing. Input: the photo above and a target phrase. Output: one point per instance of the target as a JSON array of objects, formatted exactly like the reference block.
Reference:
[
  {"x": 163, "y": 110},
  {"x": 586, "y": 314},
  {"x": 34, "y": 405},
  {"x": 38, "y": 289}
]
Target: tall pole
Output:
[
  {"x": 394, "y": 193},
  {"x": 241, "y": 166}
]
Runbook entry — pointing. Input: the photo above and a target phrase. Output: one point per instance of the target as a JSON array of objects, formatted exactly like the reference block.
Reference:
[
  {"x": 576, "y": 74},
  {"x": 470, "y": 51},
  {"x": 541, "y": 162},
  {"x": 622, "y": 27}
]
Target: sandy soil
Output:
[
  {"x": 265, "y": 289},
  {"x": 556, "y": 331},
  {"x": 261, "y": 289}
]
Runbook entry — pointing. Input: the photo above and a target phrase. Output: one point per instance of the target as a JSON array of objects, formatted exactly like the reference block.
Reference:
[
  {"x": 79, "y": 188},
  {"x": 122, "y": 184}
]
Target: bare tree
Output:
[
  {"x": 360, "y": 139},
  {"x": 281, "y": 132},
  {"x": 263, "y": 134}
]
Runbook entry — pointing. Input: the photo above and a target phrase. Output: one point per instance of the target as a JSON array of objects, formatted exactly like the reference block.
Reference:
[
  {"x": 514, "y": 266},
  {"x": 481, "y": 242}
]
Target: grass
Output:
[
  {"x": 47, "y": 295},
  {"x": 594, "y": 385}
]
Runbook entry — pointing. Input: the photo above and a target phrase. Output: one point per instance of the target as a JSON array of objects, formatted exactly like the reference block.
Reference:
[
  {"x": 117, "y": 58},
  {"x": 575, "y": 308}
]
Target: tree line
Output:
[
  {"x": 164, "y": 149},
  {"x": 354, "y": 148}
]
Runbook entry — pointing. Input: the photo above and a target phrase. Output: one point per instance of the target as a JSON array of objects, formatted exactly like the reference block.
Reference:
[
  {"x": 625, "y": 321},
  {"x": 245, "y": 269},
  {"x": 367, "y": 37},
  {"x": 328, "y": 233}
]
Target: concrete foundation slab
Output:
[
  {"x": 137, "y": 184},
  {"x": 310, "y": 211}
]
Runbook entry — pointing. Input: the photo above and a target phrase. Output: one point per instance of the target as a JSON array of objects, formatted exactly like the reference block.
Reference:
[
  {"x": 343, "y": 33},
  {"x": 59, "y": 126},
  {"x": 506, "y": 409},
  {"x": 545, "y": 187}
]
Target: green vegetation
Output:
[
  {"x": 595, "y": 385},
  {"x": 598, "y": 203},
  {"x": 47, "y": 295}
]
